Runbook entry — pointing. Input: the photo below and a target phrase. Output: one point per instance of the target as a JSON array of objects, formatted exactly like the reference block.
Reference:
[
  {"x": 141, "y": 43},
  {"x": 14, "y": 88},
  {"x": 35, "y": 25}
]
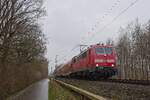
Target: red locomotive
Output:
[{"x": 98, "y": 61}]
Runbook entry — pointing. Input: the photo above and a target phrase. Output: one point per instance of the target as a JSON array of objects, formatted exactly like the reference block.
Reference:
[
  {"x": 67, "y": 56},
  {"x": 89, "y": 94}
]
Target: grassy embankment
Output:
[{"x": 57, "y": 92}]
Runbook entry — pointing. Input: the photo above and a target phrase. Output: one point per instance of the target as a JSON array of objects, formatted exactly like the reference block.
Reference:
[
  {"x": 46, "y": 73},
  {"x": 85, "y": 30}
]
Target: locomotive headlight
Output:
[
  {"x": 97, "y": 65},
  {"x": 112, "y": 65}
]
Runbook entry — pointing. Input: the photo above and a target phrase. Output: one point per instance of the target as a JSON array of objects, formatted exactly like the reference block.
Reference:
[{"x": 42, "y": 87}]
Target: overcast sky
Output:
[{"x": 72, "y": 22}]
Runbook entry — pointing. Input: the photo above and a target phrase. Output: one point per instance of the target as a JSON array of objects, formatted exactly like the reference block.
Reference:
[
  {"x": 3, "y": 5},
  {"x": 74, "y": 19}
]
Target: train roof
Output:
[
  {"x": 100, "y": 45},
  {"x": 92, "y": 46}
]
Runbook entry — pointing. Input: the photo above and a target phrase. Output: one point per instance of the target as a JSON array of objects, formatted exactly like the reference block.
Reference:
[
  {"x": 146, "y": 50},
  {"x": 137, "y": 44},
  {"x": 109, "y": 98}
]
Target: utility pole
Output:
[
  {"x": 51, "y": 70},
  {"x": 56, "y": 61}
]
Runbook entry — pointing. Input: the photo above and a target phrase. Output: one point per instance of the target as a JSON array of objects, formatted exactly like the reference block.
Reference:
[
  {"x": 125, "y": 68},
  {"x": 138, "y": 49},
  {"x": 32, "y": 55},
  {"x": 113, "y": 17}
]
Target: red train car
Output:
[{"x": 96, "y": 61}]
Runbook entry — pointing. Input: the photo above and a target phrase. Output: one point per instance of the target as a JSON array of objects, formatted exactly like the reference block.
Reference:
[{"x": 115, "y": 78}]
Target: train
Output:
[{"x": 97, "y": 61}]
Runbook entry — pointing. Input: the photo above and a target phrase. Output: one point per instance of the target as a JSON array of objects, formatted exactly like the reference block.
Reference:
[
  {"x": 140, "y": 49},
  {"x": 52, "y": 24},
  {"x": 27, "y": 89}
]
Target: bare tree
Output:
[
  {"x": 133, "y": 51},
  {"x": 22, "y": 45}
]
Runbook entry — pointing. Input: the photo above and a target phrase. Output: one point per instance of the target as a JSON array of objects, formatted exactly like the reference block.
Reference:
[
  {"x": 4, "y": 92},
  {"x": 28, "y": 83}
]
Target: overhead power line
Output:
[
  {"x": 115, "y": 18},
  {"x": 63, "y": 58},
  {"x": 122, "y": 12},
  {"x": 100, "y": 20},
  {"x": 93, "y": 28},
  {"x": 115, "y": 4}
]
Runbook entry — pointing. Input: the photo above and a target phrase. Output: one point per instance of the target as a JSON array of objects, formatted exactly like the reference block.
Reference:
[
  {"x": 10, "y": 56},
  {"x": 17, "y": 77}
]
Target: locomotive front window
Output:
[
  {"x": 108, "y": 50},
  {"x": 104, "y": 50},
  {"x": 100, "y": 51}
]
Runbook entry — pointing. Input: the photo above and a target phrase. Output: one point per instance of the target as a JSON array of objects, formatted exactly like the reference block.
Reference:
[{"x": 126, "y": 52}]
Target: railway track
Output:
[
  {"x": 124, "y": 81},
  {"x": 113, "y": 89},
  {"x": 136, "y": 82},
  {"x": 85, "y": 95}
]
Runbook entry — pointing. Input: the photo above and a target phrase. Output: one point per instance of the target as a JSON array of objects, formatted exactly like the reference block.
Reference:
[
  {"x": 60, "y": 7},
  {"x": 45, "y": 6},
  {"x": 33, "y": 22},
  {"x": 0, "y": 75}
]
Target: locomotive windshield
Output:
[
  {"x": 108, "y": 50},
  {"x": 100, "y": 51},
  {"x": 104, "y": 50}
]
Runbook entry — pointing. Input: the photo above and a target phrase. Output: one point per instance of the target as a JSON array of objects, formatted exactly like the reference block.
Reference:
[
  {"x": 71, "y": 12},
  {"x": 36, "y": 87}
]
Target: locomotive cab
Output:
[
  {"x": 104, "y": 56},
  {"x": 103, "y": 60}
]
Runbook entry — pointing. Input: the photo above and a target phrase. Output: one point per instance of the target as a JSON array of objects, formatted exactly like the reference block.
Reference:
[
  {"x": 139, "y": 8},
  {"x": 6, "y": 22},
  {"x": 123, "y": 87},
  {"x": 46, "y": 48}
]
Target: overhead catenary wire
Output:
[
  {"x": 116, "y": 17},
  {"x": 70, "y": 51},
  {"x": 63, "y": 58},
  {"x": 94, "y": 26},
  {"x": 122, "y": 12},
  {"x": 115, "y": 4},
  {"x": 106, "y": 14}
]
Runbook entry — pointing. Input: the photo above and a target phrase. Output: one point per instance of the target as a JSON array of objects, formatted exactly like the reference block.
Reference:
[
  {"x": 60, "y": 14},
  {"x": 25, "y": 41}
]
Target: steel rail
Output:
[
  {"x": 124, "y": 81},
  {"x": 128, "y": 81}
]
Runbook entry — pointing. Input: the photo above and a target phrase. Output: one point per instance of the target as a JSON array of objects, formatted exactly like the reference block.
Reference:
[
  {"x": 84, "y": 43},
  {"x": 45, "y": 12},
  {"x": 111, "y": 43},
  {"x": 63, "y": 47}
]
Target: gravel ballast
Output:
[{"x": 111, "y": 90}]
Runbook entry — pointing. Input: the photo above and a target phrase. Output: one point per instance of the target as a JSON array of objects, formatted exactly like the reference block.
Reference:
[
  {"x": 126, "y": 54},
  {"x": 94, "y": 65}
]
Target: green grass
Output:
[{"x": 57, "y": 92}]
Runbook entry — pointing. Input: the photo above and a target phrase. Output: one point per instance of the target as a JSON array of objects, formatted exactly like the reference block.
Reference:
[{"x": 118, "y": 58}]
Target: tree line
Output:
[
  {"x": 133, "y": 51},
  {"x": 22, "y": 45}
]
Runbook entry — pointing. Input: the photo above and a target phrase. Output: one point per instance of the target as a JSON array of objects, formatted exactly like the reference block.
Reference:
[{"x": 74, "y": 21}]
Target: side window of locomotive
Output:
[
  {"x": 100, "y": 51},
  {"x": 108, "y": 50}
]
